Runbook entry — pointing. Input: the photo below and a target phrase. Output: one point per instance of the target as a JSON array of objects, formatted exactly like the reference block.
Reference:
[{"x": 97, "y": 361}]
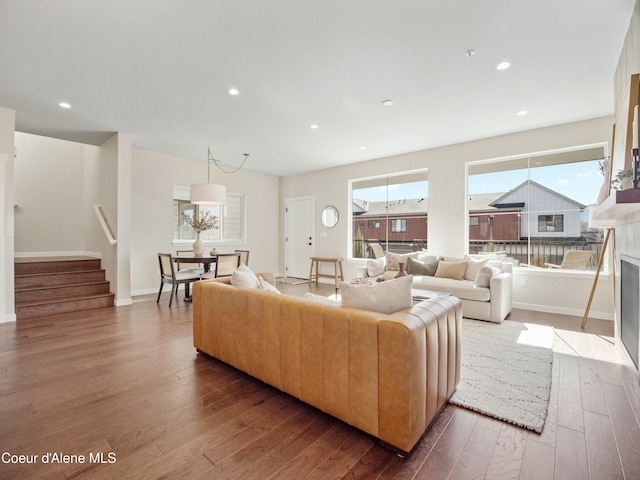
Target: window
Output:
[
  {"x": 550, "y": 223},
  {"x": 231, "y": 218},
  {"x": 534, "y": 209},
  {"x": 390, "y": 210},
  {"x": 399, "y": 225}
]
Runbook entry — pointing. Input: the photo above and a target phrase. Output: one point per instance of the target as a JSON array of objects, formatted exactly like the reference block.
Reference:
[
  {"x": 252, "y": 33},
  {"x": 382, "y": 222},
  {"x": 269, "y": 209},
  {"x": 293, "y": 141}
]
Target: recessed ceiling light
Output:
[
  {"x": 234, "y": 91},
  {"x": 313, "y": 126},
  {"x": 521, "y": 113},
  {"x": 64, "y": 105},
  {"x": 503, "y": 66},
  {"x": 363, "y": 148},
  {"x": 387, "y": 103}
]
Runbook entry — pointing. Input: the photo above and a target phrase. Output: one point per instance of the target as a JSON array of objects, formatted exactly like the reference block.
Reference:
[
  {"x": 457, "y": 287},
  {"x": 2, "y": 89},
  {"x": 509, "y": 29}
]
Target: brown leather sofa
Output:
[{"x": 388, "y": 375}]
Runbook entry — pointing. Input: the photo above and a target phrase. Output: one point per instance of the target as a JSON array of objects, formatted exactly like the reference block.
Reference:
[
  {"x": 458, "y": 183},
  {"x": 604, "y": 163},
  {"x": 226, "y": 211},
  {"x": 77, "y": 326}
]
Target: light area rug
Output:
[{"x": 506, "y": 371}]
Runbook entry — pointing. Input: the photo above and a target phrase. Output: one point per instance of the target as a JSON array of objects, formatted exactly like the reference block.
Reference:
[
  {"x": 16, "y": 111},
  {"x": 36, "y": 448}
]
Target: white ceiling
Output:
[{"x": 160, "y": 71}]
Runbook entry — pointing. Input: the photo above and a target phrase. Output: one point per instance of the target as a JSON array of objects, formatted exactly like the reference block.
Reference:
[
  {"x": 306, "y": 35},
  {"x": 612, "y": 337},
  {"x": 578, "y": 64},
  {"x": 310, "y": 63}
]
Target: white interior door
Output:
[{"x": 299, "y": 236}]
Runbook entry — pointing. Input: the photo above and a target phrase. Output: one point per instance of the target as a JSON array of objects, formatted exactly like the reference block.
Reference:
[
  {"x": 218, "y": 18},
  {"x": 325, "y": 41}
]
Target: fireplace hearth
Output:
[{"x": 630, "y": 307}]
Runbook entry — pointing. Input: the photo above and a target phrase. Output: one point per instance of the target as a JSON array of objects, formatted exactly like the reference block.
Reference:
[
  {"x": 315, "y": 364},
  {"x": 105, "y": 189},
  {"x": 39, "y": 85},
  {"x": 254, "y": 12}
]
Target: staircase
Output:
[{"x": 53, "y": 285}]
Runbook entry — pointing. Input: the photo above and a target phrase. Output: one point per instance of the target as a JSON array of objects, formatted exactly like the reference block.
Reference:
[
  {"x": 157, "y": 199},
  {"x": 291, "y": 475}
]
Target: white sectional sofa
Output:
[{"x": 486, "y": 293}]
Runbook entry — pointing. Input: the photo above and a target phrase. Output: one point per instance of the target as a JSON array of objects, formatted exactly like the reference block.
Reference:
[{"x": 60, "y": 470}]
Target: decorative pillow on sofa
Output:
[
  {"x": 484, "y": 276},
  {"x": 266, "y": 286},
  {"x": 375, "y": 267},
  {"x": 424, "y": 257},
  {"x": 320, "y": 299},
  {"x": 417, "y": 267},
  {"x": 473, "y": 267},
  {"x": 384, "y": 297},
  {"x": 244, "y": 277},
  {"x": 393, "y": 260},
  {"x": 454, "y": 270}
]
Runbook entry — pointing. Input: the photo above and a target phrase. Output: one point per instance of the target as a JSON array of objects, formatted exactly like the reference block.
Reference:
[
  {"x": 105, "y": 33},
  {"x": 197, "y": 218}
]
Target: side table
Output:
[{"x": 337, "y": 269}]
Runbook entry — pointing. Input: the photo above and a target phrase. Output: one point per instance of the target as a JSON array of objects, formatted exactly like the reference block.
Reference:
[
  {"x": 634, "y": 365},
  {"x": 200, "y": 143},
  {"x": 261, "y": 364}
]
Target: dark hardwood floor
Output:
[{"x": 128, "y": 384}]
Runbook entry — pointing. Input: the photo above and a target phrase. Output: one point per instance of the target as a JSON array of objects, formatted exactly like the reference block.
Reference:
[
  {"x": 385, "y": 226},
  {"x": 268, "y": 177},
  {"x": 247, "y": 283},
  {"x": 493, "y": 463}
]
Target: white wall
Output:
[
  {"x": 7, "y": 297},
  {"x": 153, "y": 177},
  {"x": 50, "y": 195},
  {"x": 135, "y": 189},
  {"x": 448, "y": 233}
]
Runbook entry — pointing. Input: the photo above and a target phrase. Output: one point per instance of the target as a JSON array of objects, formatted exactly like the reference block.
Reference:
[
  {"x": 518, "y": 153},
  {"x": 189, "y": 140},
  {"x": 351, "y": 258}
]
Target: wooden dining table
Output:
[{"x": 205, "y": 260}]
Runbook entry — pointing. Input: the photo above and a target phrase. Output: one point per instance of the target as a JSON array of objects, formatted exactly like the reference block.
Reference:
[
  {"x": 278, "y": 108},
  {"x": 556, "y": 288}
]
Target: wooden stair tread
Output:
[
  {"x": 74, "y": 298},
  {"x": 47, "y": 265},
  {"x": 61, "y": 286},
  {"x": 64, "y": 272}
]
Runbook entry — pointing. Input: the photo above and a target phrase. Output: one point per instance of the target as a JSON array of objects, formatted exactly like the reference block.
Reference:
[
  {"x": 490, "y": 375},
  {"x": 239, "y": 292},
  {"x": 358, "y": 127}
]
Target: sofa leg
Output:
[{"x": 396, "y": 450}]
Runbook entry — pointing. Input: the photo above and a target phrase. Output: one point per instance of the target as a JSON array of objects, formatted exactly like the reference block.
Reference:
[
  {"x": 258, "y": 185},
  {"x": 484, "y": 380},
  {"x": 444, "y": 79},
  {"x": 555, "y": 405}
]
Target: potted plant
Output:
[
  {"x": 623, "y": 180},
  {"x": 205, "y": 222}
]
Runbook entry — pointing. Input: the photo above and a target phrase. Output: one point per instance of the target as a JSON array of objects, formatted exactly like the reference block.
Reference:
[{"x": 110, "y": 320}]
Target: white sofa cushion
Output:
[
  {"x": 244, "y": 277},
  {"x": 331, "y": 300},
  {"x": 473, "y": 266},
  {"x": 376, "y": 267},
  {"x": 266, "y": 286},
  {"x": 465, "y": 289},
  {"x": 426, "y": 258},
  {"x": 385, "y": 297}
]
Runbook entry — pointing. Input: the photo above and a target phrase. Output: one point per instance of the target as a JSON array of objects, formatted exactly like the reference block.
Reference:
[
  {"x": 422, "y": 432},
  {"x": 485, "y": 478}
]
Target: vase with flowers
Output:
[{"x": 205, "y": 222}]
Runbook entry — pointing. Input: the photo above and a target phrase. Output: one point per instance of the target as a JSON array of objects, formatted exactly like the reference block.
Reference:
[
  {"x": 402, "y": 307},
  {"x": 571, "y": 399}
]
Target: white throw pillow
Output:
[
  {"x": 320, "y": 299},
  {"x": 473, "y": 267},
  {"x": 266, "y": 286},
  {"x": 244, "y": 277},
  {"x": 394, "y": 259},
  {"x": 484, "y": 276},
  {"x": 384, "y": 297},
  {"x": 426, "y": 258},
  {"x": 375, "y": 267}
]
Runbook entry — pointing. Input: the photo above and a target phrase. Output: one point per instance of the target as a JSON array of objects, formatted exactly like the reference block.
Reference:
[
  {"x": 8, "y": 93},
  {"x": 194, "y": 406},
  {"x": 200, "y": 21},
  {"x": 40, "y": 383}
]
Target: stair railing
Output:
[{"x": 105, "y": 225}]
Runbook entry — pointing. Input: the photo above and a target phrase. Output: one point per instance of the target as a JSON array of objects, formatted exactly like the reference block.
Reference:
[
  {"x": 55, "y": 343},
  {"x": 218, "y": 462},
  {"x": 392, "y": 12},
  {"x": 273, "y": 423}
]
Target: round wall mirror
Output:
[{"x": 330, "y": 216}]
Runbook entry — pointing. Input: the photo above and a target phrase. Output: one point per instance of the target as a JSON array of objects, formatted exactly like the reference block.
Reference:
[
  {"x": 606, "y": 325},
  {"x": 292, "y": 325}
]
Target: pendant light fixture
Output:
[{"x": 208, "y": 193}]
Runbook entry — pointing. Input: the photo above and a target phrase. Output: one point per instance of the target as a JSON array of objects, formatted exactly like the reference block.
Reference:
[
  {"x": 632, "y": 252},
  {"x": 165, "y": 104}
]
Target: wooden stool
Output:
[{"x": 337, "y": 264}]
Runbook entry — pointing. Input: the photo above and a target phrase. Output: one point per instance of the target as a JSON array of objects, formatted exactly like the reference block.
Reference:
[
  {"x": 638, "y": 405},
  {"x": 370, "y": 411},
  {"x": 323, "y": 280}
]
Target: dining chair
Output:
[
  {"x": 226, "y": 264},
  {"x": 168, "y": 274},
  {"x": 244, "y": 256},
  {"x": 187, "y": 267}
]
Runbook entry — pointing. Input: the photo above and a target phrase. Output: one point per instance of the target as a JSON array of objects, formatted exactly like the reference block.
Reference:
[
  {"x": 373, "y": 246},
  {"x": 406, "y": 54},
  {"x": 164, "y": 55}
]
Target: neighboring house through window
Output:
[
  {"x": 390, "y": 210},
  {"x": 537, "y": 207}
]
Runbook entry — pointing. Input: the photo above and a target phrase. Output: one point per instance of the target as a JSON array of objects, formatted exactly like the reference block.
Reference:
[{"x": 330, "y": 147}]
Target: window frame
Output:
[
  {"x": 218, "y": 236},
  {"x": 384, "y": 181},
  {"x": 563, "y": 230},
  {"x": 403, "y": 225},
  {"x": 551, "y": 220}
]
